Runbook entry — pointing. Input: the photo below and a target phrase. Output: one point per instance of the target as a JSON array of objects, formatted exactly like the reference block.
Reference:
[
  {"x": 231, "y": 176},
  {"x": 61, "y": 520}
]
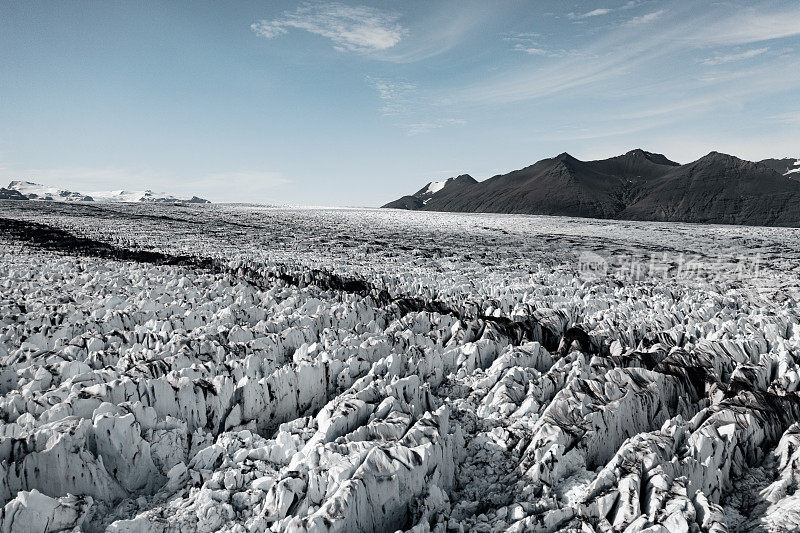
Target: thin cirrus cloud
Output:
[
  {"x": 720, "y": 59},
  {"x": 531, "y": 50},
  {"x": 751, "y": 26},
  {"x": 639, "y": 116},
  {"x": 593, "y": 13},
  {"x": 609, "y": 57},
  {"x": 401, "y": 101},
  {"x": 647, "y": 17},
  {"x": 440, "y": 31},
  {"x": 791, "y": 118},
  {"x": 416, "y": 128},
  {"x": 394, "y": 95},
  {"x": 643, "y": 42},
  {"x": 601, "y": 11},
  {"x": 351, "y": 28},
  {"x": 528, "y": 43}
]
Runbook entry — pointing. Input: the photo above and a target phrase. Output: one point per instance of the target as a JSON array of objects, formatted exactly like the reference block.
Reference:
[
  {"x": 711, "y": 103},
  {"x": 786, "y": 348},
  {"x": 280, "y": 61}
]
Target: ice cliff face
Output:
[{"x": 224, "y": 390}]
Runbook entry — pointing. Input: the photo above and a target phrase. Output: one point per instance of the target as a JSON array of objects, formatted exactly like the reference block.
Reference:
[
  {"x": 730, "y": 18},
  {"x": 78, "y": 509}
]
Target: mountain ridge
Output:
[
  {"x": 28, "y": 190},
  {"x": 637, "y": 185}
]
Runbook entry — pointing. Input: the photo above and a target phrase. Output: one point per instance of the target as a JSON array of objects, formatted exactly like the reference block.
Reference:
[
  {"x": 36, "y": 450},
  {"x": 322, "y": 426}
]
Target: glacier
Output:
[{"x": 244, "y": 368}]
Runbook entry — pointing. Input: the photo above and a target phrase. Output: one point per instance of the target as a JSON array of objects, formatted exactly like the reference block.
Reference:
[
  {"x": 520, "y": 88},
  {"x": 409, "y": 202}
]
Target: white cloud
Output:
[
  {"x": 647, "y": 17},
  {"x": 720, "y": 59},
  {"x": 598, "y": 12},
  {"x": 627, "y": 50},
  {"x": 441, "y": 29},
  {"x": 530, "y": 50},
  {"x": 268, "y": 30},
  {"x": 352, "y": 28},
  {"x": 791, "y": 118},
  {"x": 400, "y": 100},
  {"x": 528, "y": 43},
  {"x": 750, "y": 26},
  {"x": 601, "y": 11},
  {"x": 394, "y": 94},
  {"x": 424, "y": 127},
  {"x": 522, "y": 36},
  {"x": 593, "y": 13}
]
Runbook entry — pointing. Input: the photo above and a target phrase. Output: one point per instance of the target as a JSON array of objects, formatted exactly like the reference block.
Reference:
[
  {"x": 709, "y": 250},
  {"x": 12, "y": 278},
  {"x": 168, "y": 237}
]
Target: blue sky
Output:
[{"x": 358, "y": 103}]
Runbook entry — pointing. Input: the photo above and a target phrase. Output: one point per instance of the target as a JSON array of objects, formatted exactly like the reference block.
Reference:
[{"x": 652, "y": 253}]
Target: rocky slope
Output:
[
  {"x": 722, "y": 189},
  {"x": 11, "y": 194},
  {"x": 451, "y": 186},
  {"x": 638, "y": 185},
  {"x": 789, "y": 166}
]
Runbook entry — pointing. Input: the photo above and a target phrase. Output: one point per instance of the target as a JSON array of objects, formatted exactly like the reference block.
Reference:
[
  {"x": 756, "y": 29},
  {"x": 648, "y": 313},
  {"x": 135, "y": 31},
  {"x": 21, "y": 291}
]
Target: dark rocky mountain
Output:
[
  {"x": 197, "y": 200},
  {"x": 720, "y": 188},
  {"x": 11, "y": 194},
  {"x": 562, "y": 185},
  {"x": 638, "y": 185},
  {"x": 788, "y": 166},
  {"x": 408, "y": 202},
  {"x": 450, "y": 186}
]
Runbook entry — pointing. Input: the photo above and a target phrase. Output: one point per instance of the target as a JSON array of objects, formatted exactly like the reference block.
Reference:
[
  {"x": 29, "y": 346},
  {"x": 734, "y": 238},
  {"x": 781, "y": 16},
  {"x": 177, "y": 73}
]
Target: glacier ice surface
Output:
[{"x": 241, "y": 368}]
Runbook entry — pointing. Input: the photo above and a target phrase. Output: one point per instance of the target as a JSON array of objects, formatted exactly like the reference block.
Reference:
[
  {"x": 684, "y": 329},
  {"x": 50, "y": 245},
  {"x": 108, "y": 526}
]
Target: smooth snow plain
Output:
[{"x": 245, "y": 368}]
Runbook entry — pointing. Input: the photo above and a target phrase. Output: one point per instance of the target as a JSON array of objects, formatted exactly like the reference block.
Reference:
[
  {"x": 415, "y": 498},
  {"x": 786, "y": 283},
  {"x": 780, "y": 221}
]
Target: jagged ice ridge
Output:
[{"x": 261, "y": 369}]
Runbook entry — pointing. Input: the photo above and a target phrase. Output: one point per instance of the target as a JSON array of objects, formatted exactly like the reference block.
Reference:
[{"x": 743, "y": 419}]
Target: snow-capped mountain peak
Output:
[{"x": 36, "y": 191}]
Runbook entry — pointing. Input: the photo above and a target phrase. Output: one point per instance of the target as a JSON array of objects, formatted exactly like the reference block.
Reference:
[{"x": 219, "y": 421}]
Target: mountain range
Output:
[
  {"x": 27, "y": 190},
  {"x": 638, "y": 185}
]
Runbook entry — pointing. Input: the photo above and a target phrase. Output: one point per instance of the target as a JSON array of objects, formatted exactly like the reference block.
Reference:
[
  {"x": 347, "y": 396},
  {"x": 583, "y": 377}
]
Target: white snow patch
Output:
[
  {"x": 436, "y": 186},
  {"x": 44, "y": 192},
  {"x": 29, "y": 188},
  {"x": 130, "y": 196}
]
